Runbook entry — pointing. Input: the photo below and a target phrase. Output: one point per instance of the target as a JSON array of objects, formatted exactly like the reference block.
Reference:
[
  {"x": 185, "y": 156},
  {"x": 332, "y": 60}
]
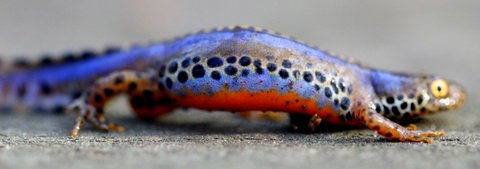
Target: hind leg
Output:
[
  {"x": 150, "y": 102},
  {"x": 135, "y": 84},
  {"x": 304, "y": 123}
]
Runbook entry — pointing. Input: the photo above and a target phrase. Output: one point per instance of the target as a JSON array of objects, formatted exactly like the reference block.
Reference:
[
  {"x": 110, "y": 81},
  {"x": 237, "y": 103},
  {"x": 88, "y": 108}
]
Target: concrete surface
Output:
[{"x": 429, "y": 36}]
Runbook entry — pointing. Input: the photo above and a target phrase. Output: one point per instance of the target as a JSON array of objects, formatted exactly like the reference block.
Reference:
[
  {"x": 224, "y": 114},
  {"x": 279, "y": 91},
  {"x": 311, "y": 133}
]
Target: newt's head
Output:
[
  {"x": 407, "y": 96},
  {"x": 443, "y": 94}
]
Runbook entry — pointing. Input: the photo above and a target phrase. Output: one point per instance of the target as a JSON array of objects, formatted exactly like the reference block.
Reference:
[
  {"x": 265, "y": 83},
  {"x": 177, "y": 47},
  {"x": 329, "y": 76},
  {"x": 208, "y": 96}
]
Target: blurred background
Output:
[
  {"x": 430, "y": 36},
  {"x": 415, "y": 36}
]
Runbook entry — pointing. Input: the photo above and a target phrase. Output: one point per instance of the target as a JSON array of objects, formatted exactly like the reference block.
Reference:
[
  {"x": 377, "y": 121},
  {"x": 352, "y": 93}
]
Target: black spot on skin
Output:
[
  {"x": 411, "y": 95},
  {"x": 283, "y": 73},
  {"x": 400, "y": 97},
  {"x": 258, "y": 66},
  {"x": 350, "y": 89},
  {"x": 182, "y": 76},
  {"x": 307, "y": 76},
  {"x": 132, "y": 86},
  {"x": 230, "y": 70},
  {"x": 119, "y": 80},
  {"x": 196, "y": 59},
  {"x": 161, "y": 71},
  {"x": 231, "y": 59},
  {"x": 335, "y": 102},
  {"x": 108, "y": 92},
  {"x": 404, "y": 105},
  {"x": 341, "y": 85},
  {"x": 317, "y": 87},
  {"x": 245, "y": 72},
  {"x": 259, "y": 70},
  {"x": 334, "y": 86},
  {"x": 395, "y": 111},
  {"x": 320, "y": 77},
  {"x": 423, "y": 110},
  {"x": 163, "y": 101},
  {"x": 245, "y": 61},
  {"x": 68, "y": 57},
  {"x": 173, "y": 67},
  {"x": 420, "y": 100},
  {"x": 378, "y": 108},
  {"x": 349, "y": 116},
  {"x": 45, "y": 89},
  {"x": 386, "y": 110},
  {"x": 257, "y": 63},
  {"x": 98, "y": 98},
  {"x": 390, "y": 100},
  {"x": 87, "y": 54},
  {"x": 149, "y": 102},
  {"x": 169, "y": 83},
  {"x": 271, "y": 67},
  {"x": 345, "y": 103},
  {"x": 342, "y": 118},
  {"x": 137, "y": 101},
  {"x": 148, "y": 93},
  {"x": 287, "y": 64},
  {"x": 186, "y": 62},
  {"x": 46, "y": 60},
  {"x": 328, "y": 92},
  {"x": 111, "y": 50},
  {"x": 198, "y": 71},
  {"x": 413, "y": 107},
  {"x": 214, "y": 62},
  {"x": 406, "y": 116},
  {"x": 296, "y": 74},
  {"x": 216, "y": 75},
  {"x": 303, "y": 107}
]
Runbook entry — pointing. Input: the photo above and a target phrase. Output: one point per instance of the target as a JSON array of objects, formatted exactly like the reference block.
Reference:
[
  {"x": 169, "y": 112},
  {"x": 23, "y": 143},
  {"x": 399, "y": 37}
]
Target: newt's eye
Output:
[{"x": 439, "y": 88}]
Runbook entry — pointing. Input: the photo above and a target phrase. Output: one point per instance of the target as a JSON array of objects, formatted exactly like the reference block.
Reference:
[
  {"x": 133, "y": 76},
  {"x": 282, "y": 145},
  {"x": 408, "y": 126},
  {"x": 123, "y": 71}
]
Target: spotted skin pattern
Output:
[{"x": 236, "y": 69}]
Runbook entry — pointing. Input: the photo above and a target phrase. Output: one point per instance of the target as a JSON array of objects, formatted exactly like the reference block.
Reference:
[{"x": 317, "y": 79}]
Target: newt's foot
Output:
[
  {"x": 94, "y": 116},
  {"x": 421, "y": 136}
]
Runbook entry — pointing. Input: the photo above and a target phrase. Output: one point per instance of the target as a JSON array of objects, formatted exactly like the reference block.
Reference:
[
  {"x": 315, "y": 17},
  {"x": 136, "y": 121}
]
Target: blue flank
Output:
[
  {"x": 209, "y": 86},
  {"x": 189, "y": 46}
]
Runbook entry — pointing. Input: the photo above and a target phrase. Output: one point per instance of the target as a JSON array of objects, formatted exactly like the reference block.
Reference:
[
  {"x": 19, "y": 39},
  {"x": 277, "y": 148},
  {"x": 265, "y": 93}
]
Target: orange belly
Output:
[{"x": 263, "y": 101}]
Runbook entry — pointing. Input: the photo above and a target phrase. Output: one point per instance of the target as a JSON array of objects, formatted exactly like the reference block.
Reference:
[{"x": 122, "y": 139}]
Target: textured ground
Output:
[{"x": 432, "y": 36}]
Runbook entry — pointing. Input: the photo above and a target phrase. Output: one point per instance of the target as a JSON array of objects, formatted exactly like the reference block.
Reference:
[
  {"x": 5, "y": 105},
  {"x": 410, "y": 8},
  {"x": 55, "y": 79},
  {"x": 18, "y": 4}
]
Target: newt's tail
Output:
[{"x": 51, "y": 83}]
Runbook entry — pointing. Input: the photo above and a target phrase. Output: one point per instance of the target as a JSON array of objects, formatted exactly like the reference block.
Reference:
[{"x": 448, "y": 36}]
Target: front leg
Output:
[{"x": 365, "y": 113}]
